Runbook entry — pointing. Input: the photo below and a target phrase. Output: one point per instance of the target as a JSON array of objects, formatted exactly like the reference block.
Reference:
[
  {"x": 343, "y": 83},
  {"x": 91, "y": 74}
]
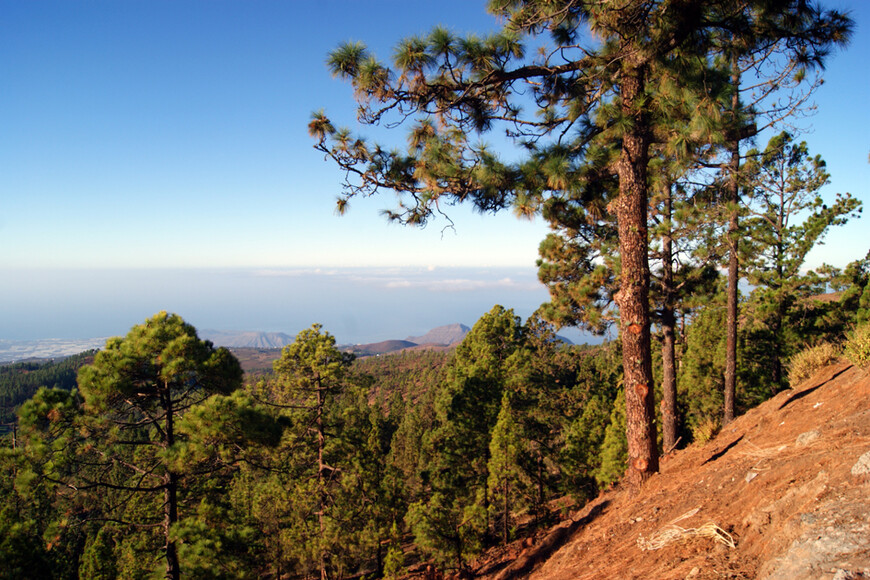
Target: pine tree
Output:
[
  {"x": 451, "y": 520},
  {"x": 505, "y": 475},
  {"x": 614, "y": 448},
  {"x": 776, "y": 44},
  {"x": 129, "y": 452},
  {"x": 788, "y": 217},
  {"x": 863, "y": 314},
  {"x": 136, "y": 391},
  {"x": 592, "y": 120},
  {"x": 311, "y": 375},
  {"x": 853, "y": 282},
  {"x": 22, "y": 549},
  {"x": 701, "y": 373}
]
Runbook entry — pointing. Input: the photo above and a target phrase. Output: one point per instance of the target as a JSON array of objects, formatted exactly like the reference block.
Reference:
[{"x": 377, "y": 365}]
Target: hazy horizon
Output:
[{"x": 356, "y": 305}]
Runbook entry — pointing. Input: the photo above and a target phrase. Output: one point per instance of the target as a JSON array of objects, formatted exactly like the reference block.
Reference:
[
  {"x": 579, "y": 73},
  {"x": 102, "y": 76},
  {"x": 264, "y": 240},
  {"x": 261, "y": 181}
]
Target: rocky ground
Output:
[{"x": 781, "y": 493}]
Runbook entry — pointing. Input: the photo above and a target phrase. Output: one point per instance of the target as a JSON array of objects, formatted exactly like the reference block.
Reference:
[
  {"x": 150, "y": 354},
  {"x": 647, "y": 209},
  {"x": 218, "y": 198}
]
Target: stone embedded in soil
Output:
[
  {"x": 863, "y": 465},
  {"x": 807, "y": 438}
]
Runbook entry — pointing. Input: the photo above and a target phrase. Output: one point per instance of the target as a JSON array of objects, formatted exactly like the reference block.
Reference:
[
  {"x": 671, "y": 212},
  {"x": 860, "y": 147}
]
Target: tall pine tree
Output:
[
  {"x": 787, "y": 218},
  {"x": 135, "y": 393},
  {"x": 311, "y": 374},
  {"x": 580, "y": 112}
]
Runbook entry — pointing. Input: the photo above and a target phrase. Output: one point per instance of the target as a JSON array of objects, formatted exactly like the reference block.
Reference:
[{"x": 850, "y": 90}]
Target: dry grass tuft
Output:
[
  {"x": 857, "y": 347},
  {"x": 761, "y": 455},
  {"x": 705, "y": 430},
  {"x": 807, "y": 362},
  {"x": 673, "y": 533}
]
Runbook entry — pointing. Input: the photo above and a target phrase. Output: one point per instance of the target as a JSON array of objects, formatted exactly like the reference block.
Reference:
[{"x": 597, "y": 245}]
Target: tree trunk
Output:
[
  {"x": 540, "y": 505},
  {"x": 669, "y": 381},
  {"x": 170, "y": 494},
  {"x": 486, "y": 493},
  {"x": 733, "y": 264},
  {"x": 170, "y": 517},
  {"x": 633, "y": 295},
  {"x": 668, "y": 322},
  {"x": 321, "y": 483},
  {"x": 779, "y": 314},
  {"x": 506, "y": 512}
]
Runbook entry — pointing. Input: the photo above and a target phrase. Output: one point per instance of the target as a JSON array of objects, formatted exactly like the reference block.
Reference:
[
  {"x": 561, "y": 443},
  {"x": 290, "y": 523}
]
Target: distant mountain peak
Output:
[
  {"x": 443, "y": 335},
  {"x": 247, "y": 339}
]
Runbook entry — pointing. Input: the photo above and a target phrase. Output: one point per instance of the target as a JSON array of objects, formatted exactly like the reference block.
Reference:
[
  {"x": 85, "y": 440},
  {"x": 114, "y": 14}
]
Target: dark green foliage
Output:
[
  {"x": 513, "y": 425},
  {"x": 614, "y": 447},
  {"x": 330, "y": 503},
  {"x": 863, "y": 313},
  {"x": 23, "y": 519},
  {"x": 589, "y": 437},
  {"x": 407, "y": 375},
  {"x": 581, "y": 280},
  {"x": 34, "y": 511},
  {"x": 854, "y": 282},
  {"x": 323, "y": 465},
  {"x": 452, "y": 520},
  {"x": 156, "y": 432},
  {"x": 808, "y": 321},
  {"x": 20, "y": 381},
  {"x": 98, "y": 560},
  {"x": 21, "y": 550},
  {"x": 506, "y": 482},
  {"x": 701, "y": 377},
  {"x": 553, "y": 388},
  {"x": 611, "y": 88},
  {"x": 137, "y": 393},
  {"x": 788, "y": 217}
]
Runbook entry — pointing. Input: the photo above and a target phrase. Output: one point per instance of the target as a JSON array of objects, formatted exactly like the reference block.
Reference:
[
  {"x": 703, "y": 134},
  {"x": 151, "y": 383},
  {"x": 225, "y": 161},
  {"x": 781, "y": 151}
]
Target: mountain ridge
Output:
[
  {"x": 446, "y": 335},
  {"x": 247, "y": 339}
]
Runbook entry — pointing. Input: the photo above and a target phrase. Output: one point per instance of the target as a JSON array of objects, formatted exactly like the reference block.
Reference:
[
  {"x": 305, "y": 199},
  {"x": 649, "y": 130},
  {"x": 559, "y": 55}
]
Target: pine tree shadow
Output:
[
  {"x": 723, "y": 451},
  {"x": 538, "y": 553},
  {"x": 806, "y": 392}
]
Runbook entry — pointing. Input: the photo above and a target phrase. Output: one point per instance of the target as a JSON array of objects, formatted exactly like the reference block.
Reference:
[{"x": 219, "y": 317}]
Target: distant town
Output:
[{"x": 48, "y": 348}]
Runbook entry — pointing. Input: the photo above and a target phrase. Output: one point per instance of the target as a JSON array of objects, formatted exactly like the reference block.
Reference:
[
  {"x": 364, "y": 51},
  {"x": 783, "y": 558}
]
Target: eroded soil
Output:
[{"x": 777, "y": 484}]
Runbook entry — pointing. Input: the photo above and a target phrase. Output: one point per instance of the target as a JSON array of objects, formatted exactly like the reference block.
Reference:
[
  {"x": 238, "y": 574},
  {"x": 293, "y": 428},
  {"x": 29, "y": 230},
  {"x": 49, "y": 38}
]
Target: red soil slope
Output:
[{"x": 779, "y": 494}]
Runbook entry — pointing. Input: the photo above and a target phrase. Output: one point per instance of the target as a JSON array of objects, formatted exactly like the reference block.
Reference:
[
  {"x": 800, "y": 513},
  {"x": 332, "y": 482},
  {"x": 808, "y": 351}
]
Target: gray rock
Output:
[
  {"x": 863, "y": 465},
  {"x": 807, "y": 438}
]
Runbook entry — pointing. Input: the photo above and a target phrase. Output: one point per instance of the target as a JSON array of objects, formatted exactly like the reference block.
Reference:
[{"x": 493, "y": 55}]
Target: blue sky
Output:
[{"x": 155, "y": 155}]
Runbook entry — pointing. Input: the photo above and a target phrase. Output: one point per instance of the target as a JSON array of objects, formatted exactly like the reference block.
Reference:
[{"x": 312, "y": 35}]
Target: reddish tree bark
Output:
[{"x": 633, "y": 296}]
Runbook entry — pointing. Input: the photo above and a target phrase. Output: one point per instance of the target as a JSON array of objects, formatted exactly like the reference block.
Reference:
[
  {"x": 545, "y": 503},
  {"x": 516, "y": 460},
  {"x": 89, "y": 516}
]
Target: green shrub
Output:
[
  {"x": 857, "y": 347},
  {"x": 614, "y": 448},
  {"x": 807, "y": 362},
  {"x": 705, "y": 429},
  {"x": 394, "y": 562}
]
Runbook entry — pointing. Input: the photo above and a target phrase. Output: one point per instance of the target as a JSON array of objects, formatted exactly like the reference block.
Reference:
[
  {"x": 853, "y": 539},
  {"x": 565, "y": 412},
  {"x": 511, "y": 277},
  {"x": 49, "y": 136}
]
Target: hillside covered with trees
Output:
[
  {"x": 164, "y": 461},
  {"x": 19, "y": 382},
  {"x": 636, "y": 129}
]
